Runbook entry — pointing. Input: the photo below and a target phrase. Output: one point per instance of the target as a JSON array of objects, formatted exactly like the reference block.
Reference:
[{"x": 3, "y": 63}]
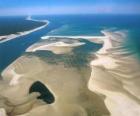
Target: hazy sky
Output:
[{"x": 25, "y": 7}]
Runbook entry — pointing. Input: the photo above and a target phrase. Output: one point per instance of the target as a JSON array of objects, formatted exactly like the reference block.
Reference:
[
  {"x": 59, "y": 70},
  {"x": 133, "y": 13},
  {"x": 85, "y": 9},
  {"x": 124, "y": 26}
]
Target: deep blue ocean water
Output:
[
  {"x": 68, "y": 25},
  {"x": 14, "y": 24}
]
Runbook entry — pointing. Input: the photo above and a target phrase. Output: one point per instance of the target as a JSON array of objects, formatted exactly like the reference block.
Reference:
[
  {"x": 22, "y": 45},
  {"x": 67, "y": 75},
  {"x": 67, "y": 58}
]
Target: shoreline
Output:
[
  {"x": 56, "y": 47},
  {"x": 115, "y": 75},
  {"x": 6, "y": 38},
  {"x": 60, "y": 47},
  {"x": 74, "y": 37}
]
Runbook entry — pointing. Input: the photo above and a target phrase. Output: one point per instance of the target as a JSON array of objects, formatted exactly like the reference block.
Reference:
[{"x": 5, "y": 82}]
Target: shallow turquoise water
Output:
[{"x": 70, "y": 25}]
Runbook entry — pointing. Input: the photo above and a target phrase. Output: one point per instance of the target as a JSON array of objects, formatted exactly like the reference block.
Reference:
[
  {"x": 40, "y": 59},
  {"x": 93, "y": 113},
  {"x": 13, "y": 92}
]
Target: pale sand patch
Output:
[
  {"x": 105, "y": 62},
  {"x": 2, "y": 112},
  {"x": 15, "y": 77},
  {"x": 59, "y": 47}
]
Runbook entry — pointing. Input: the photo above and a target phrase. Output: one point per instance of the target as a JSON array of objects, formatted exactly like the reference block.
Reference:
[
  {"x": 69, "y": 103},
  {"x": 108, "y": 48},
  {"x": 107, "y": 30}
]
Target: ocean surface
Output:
[
  {"x": 63, "y": 25},
  {"x": 14, "y": 24}
]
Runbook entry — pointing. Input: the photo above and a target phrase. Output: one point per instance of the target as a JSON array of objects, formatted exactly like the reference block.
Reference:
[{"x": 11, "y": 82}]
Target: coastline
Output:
[
  {"x": 6, "y": 38},
  {"x": 74, "y": 37},
  {"x": 115, "y": 75},
  {"x": 56, "y": 47}
]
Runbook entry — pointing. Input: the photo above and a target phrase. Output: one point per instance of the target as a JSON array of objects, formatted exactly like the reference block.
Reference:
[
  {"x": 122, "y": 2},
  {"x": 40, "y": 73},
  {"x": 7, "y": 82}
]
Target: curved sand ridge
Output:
[
  {"x": 116, "y": 75},
  {"x": 68, "y": 85},
  {"x": 19, "y": 34},
  {"x": 57, "y": 47}
]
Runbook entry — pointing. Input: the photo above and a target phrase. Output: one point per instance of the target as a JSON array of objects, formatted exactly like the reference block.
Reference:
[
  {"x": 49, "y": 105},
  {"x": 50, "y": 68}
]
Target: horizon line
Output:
[{"x": 70, "y": 14}]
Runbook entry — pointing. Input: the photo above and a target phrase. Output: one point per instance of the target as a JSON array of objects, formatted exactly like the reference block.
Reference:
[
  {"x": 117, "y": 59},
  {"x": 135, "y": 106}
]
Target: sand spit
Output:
[
  {"x": 75, "y": 37},
  {"x": 68, "y": 85},
  {"x": 96, "y": 39},
  {"x": 19, "y": 34},
  {"x": 115, "y": 74},
  {"x": 58, "y": 47}
]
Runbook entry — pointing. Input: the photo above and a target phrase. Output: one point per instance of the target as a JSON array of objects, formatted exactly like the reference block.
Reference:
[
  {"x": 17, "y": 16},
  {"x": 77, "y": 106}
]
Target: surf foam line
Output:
[
  {"x": 115, "y": 75},
  {"x": 19, "y": 34}
]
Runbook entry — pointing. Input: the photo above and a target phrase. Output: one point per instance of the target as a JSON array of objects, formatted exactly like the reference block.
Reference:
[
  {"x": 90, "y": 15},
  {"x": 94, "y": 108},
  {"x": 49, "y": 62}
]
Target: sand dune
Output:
[{"x": 115, "y": 74}]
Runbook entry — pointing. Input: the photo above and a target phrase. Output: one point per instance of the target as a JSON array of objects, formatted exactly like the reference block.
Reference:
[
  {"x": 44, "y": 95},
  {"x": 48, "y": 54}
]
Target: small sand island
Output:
[
  {"x": 57, "y": 47},
  {"x": 5, "y": 38}
]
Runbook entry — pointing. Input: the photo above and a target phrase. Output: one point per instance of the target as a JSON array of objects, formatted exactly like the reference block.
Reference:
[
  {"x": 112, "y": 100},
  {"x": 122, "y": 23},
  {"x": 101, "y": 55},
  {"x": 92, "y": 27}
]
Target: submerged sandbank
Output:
[{"x": 5, "y": 38}]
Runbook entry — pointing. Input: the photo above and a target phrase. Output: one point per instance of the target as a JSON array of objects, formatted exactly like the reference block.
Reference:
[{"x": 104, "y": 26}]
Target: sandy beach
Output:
[
  {"x": 115, "y": 75},
  {"x": 56, "y": 47}
]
